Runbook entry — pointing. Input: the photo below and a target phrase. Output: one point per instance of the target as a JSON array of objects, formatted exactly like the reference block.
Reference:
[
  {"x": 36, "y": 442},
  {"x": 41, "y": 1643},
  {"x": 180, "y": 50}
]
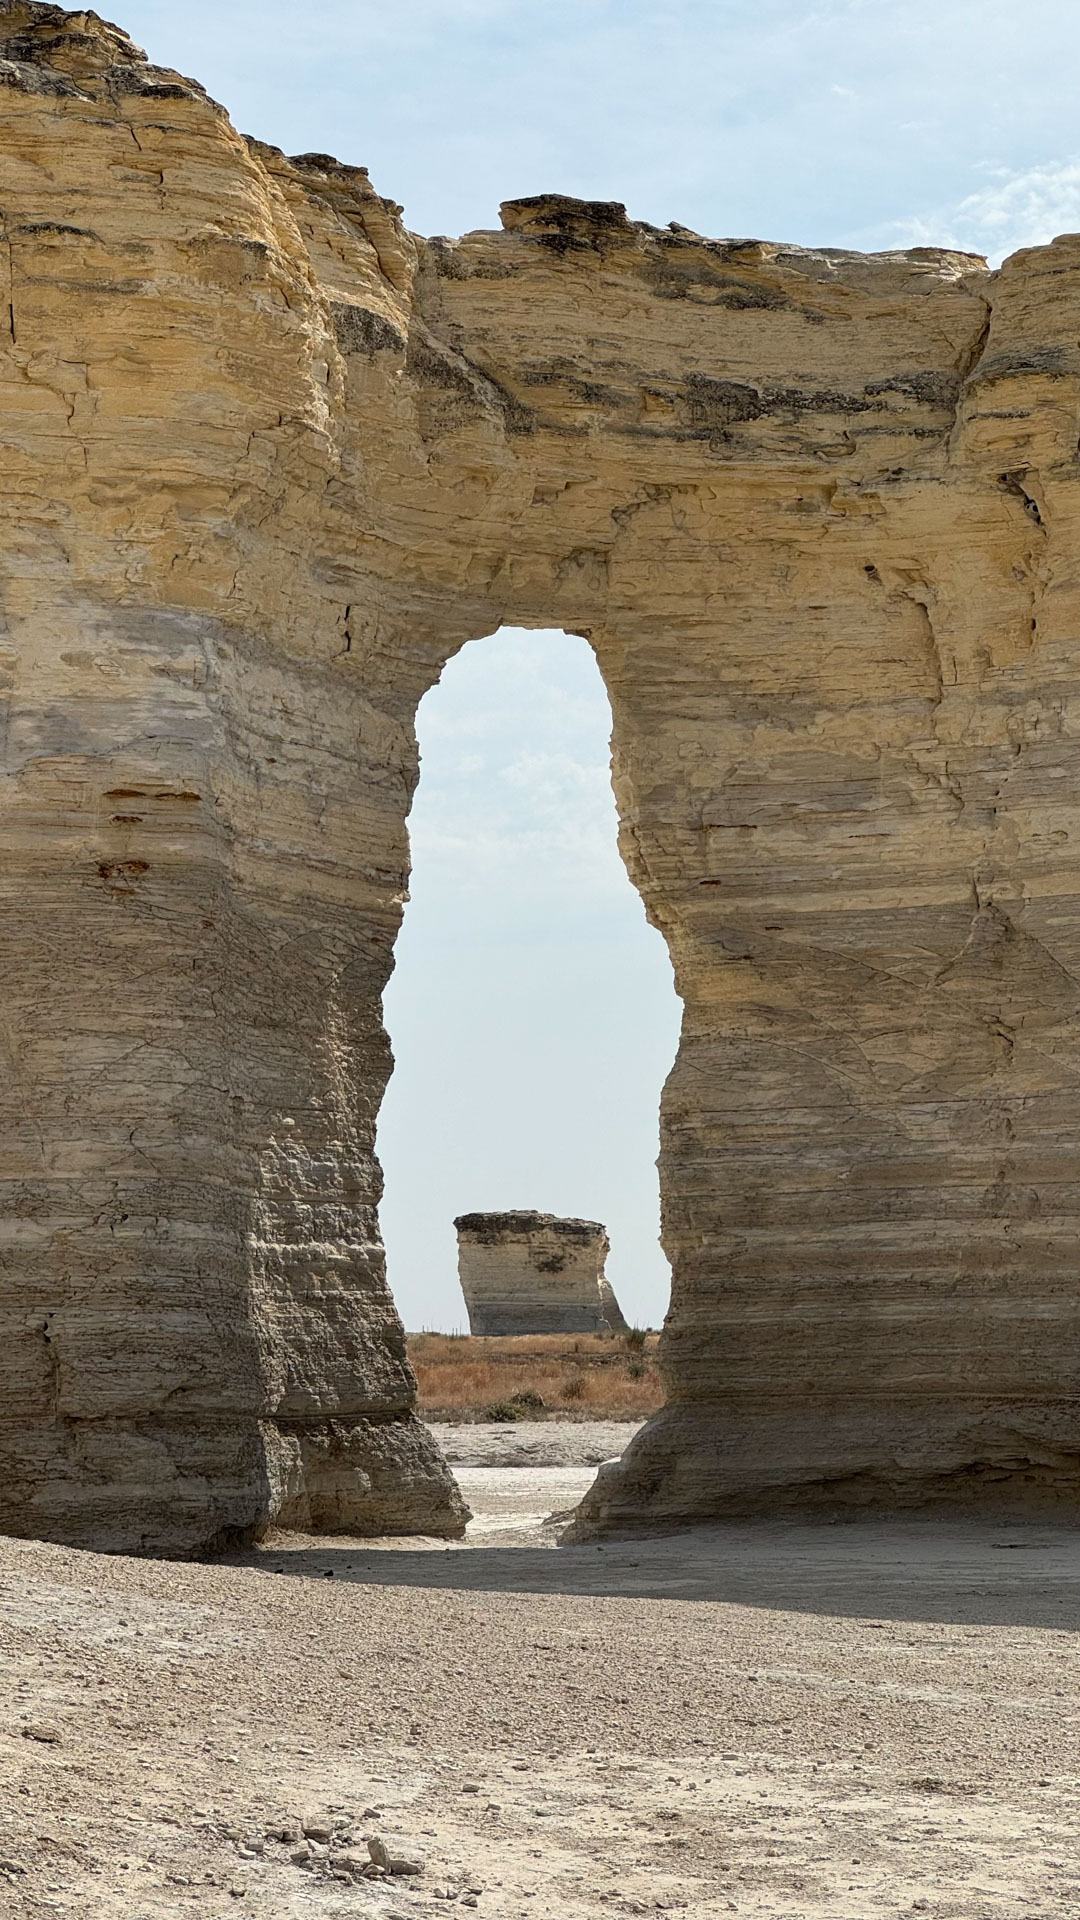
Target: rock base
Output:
[{"x": 692, "y": 1464}]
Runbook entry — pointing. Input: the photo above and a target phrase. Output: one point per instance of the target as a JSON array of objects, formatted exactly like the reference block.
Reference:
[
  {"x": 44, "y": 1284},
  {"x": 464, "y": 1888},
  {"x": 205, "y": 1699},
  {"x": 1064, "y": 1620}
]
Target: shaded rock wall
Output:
[
  {"x": 533, "y": 1273},
  {"x": 268, "y": 461}
]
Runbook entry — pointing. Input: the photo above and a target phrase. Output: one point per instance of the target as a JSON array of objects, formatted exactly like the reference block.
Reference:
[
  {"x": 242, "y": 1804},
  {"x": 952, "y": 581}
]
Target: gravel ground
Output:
[
  {"x": 815, "y": 1722},
  {"x": 534, "y": 1443}
]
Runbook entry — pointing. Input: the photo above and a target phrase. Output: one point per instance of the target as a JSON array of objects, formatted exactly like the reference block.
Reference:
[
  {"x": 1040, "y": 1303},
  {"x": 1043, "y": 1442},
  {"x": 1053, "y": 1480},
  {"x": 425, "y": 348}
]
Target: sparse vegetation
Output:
[{"x": 541, "y": 1376}]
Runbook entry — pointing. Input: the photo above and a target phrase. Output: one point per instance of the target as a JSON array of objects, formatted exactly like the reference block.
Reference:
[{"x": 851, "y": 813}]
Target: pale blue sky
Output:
[
  {"x": 531, "y": 1012},
  {"x": 865, "y": 123}
]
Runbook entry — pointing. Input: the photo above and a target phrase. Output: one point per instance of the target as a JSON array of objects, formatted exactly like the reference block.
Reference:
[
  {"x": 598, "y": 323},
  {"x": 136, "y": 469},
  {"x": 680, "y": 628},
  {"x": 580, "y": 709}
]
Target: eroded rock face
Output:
[
  {"x": 534, "y": 1273},
  {"x": 269, "y": 460}
]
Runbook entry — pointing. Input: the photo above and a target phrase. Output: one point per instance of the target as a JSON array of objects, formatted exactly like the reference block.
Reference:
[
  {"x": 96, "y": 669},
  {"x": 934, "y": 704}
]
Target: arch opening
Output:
[{"x": 531, "y": 1011}]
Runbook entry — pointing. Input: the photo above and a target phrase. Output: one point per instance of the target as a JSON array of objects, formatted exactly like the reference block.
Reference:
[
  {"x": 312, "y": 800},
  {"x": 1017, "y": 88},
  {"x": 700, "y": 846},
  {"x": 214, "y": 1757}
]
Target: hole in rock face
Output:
[{"x": 531, "y": 1011}]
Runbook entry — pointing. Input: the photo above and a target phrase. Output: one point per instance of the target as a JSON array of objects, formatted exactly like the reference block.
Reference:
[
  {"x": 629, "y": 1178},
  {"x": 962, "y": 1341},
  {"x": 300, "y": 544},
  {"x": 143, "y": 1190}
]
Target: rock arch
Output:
[{"x": 269, "y": 459}]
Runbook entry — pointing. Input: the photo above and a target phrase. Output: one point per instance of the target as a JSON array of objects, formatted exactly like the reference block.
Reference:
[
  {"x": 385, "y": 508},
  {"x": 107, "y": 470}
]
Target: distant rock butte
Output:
[
  {"x": 534, "y": 1273},
  {"x": 269, "y": 460}
]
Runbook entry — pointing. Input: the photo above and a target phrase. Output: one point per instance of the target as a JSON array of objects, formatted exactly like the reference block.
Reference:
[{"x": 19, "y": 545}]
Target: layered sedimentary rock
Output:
[
  {"x": 534, "y": 1273},
  {"x": 268, "y": 461}
]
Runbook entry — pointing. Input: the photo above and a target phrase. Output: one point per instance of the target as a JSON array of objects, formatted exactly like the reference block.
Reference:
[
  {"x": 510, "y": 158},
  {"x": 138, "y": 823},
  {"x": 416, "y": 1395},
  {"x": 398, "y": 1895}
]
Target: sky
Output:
[
  {"x": 531, "y": 1012},
  {"x": 862, "y": 123}
]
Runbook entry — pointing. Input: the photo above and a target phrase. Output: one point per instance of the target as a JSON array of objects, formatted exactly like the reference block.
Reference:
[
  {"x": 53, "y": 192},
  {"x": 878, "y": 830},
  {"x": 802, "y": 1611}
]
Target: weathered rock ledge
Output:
[{"x": 268, "y": 461}]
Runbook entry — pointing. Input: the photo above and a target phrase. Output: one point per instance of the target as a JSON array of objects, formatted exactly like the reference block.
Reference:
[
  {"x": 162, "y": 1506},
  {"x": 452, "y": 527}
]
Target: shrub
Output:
[
  {"x": 504, "y": 1412},
  {"x": 635, "y": 1336},
  {"x": 574, "y": 1387},
  {"x": 461, "y": 1377}
]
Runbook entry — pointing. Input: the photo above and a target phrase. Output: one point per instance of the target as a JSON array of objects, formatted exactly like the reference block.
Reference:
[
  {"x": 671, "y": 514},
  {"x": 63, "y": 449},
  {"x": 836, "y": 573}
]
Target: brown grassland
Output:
[{"x": 583, "y": 1376}]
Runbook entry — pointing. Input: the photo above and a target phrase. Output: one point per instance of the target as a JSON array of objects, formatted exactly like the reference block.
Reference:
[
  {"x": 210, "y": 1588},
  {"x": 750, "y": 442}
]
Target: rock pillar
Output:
[
  {"x": 267, "y": 460},
  {"x": 534, "y": 1273}
]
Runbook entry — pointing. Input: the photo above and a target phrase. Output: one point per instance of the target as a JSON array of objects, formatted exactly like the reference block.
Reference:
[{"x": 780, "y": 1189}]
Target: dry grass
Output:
[{"x": 584, "y": 1376}]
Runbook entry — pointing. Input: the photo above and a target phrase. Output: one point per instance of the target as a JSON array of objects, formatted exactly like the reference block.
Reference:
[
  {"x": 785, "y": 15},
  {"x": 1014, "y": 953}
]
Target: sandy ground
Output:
[
  {"x": 534, "y": 1443},
  {"x": 819, "y": 1722}
]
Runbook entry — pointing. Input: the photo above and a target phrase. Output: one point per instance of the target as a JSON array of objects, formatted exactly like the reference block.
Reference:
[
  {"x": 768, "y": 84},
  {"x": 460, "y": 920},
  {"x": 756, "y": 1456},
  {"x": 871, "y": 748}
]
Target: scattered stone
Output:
[
  {"x": 388, "y": 1862},
  {"x": 301, "y": 1857},
  {"x": 471, "y": 1786},
  {"x": 352, "y": 1865},
  {"x": 286, "y": 1834},
  {"x": 41, "y": 1730},
  {"x": 317, "y": 1827}
]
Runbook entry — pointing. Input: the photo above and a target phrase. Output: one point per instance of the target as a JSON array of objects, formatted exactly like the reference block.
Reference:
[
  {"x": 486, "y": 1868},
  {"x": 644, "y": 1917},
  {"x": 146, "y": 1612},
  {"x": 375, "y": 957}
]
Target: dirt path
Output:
[{"x": 820, "y": 1723}]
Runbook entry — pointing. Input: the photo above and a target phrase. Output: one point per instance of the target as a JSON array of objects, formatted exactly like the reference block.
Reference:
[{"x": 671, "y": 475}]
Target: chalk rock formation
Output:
[
  {"x": 533, "y": 1273},
  {"x": 268, "y": 461}
]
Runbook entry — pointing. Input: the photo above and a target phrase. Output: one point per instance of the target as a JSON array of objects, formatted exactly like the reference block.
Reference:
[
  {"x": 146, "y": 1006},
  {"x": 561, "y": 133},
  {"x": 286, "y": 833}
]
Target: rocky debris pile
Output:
[{"x": 325, "y": 1843}]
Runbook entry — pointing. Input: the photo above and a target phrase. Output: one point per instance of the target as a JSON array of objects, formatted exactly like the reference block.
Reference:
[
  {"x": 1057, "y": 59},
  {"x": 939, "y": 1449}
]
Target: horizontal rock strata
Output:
[
  {"x": 534, "y": 1273},
  {"x": 269, "y": 460}
]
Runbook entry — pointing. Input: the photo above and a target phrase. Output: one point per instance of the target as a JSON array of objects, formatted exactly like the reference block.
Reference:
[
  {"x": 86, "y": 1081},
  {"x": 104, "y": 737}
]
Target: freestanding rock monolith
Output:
[
  {"x": 269, "y": 460},
  {"x": 535, "y": 1273}
]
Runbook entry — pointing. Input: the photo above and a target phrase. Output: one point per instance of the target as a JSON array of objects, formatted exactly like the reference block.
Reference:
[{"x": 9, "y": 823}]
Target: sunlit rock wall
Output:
[
  {"x": 268, "y": 460},
  {"x": 534, "y": 1273}
]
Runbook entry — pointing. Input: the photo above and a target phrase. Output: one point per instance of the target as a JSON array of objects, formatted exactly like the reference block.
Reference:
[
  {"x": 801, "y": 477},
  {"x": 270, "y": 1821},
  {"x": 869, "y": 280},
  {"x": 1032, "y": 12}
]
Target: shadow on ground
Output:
[{"x": 945, "y": 1571}]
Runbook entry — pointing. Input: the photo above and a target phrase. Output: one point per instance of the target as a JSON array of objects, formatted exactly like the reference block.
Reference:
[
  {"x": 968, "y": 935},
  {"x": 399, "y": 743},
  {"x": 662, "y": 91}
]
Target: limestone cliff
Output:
[{"x": 268, "y": 461}]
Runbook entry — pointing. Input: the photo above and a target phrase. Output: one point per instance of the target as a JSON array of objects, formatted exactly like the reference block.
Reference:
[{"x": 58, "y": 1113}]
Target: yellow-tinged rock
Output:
[{"x": 268, "y": 461}]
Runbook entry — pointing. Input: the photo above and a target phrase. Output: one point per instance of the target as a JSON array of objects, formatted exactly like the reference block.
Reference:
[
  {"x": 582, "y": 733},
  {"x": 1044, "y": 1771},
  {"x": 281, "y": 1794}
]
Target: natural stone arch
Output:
[{"x": 269, "y": 460}]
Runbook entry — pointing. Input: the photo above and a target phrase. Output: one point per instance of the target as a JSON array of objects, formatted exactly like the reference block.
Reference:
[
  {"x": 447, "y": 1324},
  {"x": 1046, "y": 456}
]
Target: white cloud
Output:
[
  {"x": 1017, "y": 209},
  {"x": 515, "y": 800}
]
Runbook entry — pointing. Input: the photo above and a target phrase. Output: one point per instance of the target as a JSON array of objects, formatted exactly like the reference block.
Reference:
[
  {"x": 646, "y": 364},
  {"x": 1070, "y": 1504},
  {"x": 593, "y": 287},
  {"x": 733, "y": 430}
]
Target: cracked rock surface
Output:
[{"x": 269, "y": 460}]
